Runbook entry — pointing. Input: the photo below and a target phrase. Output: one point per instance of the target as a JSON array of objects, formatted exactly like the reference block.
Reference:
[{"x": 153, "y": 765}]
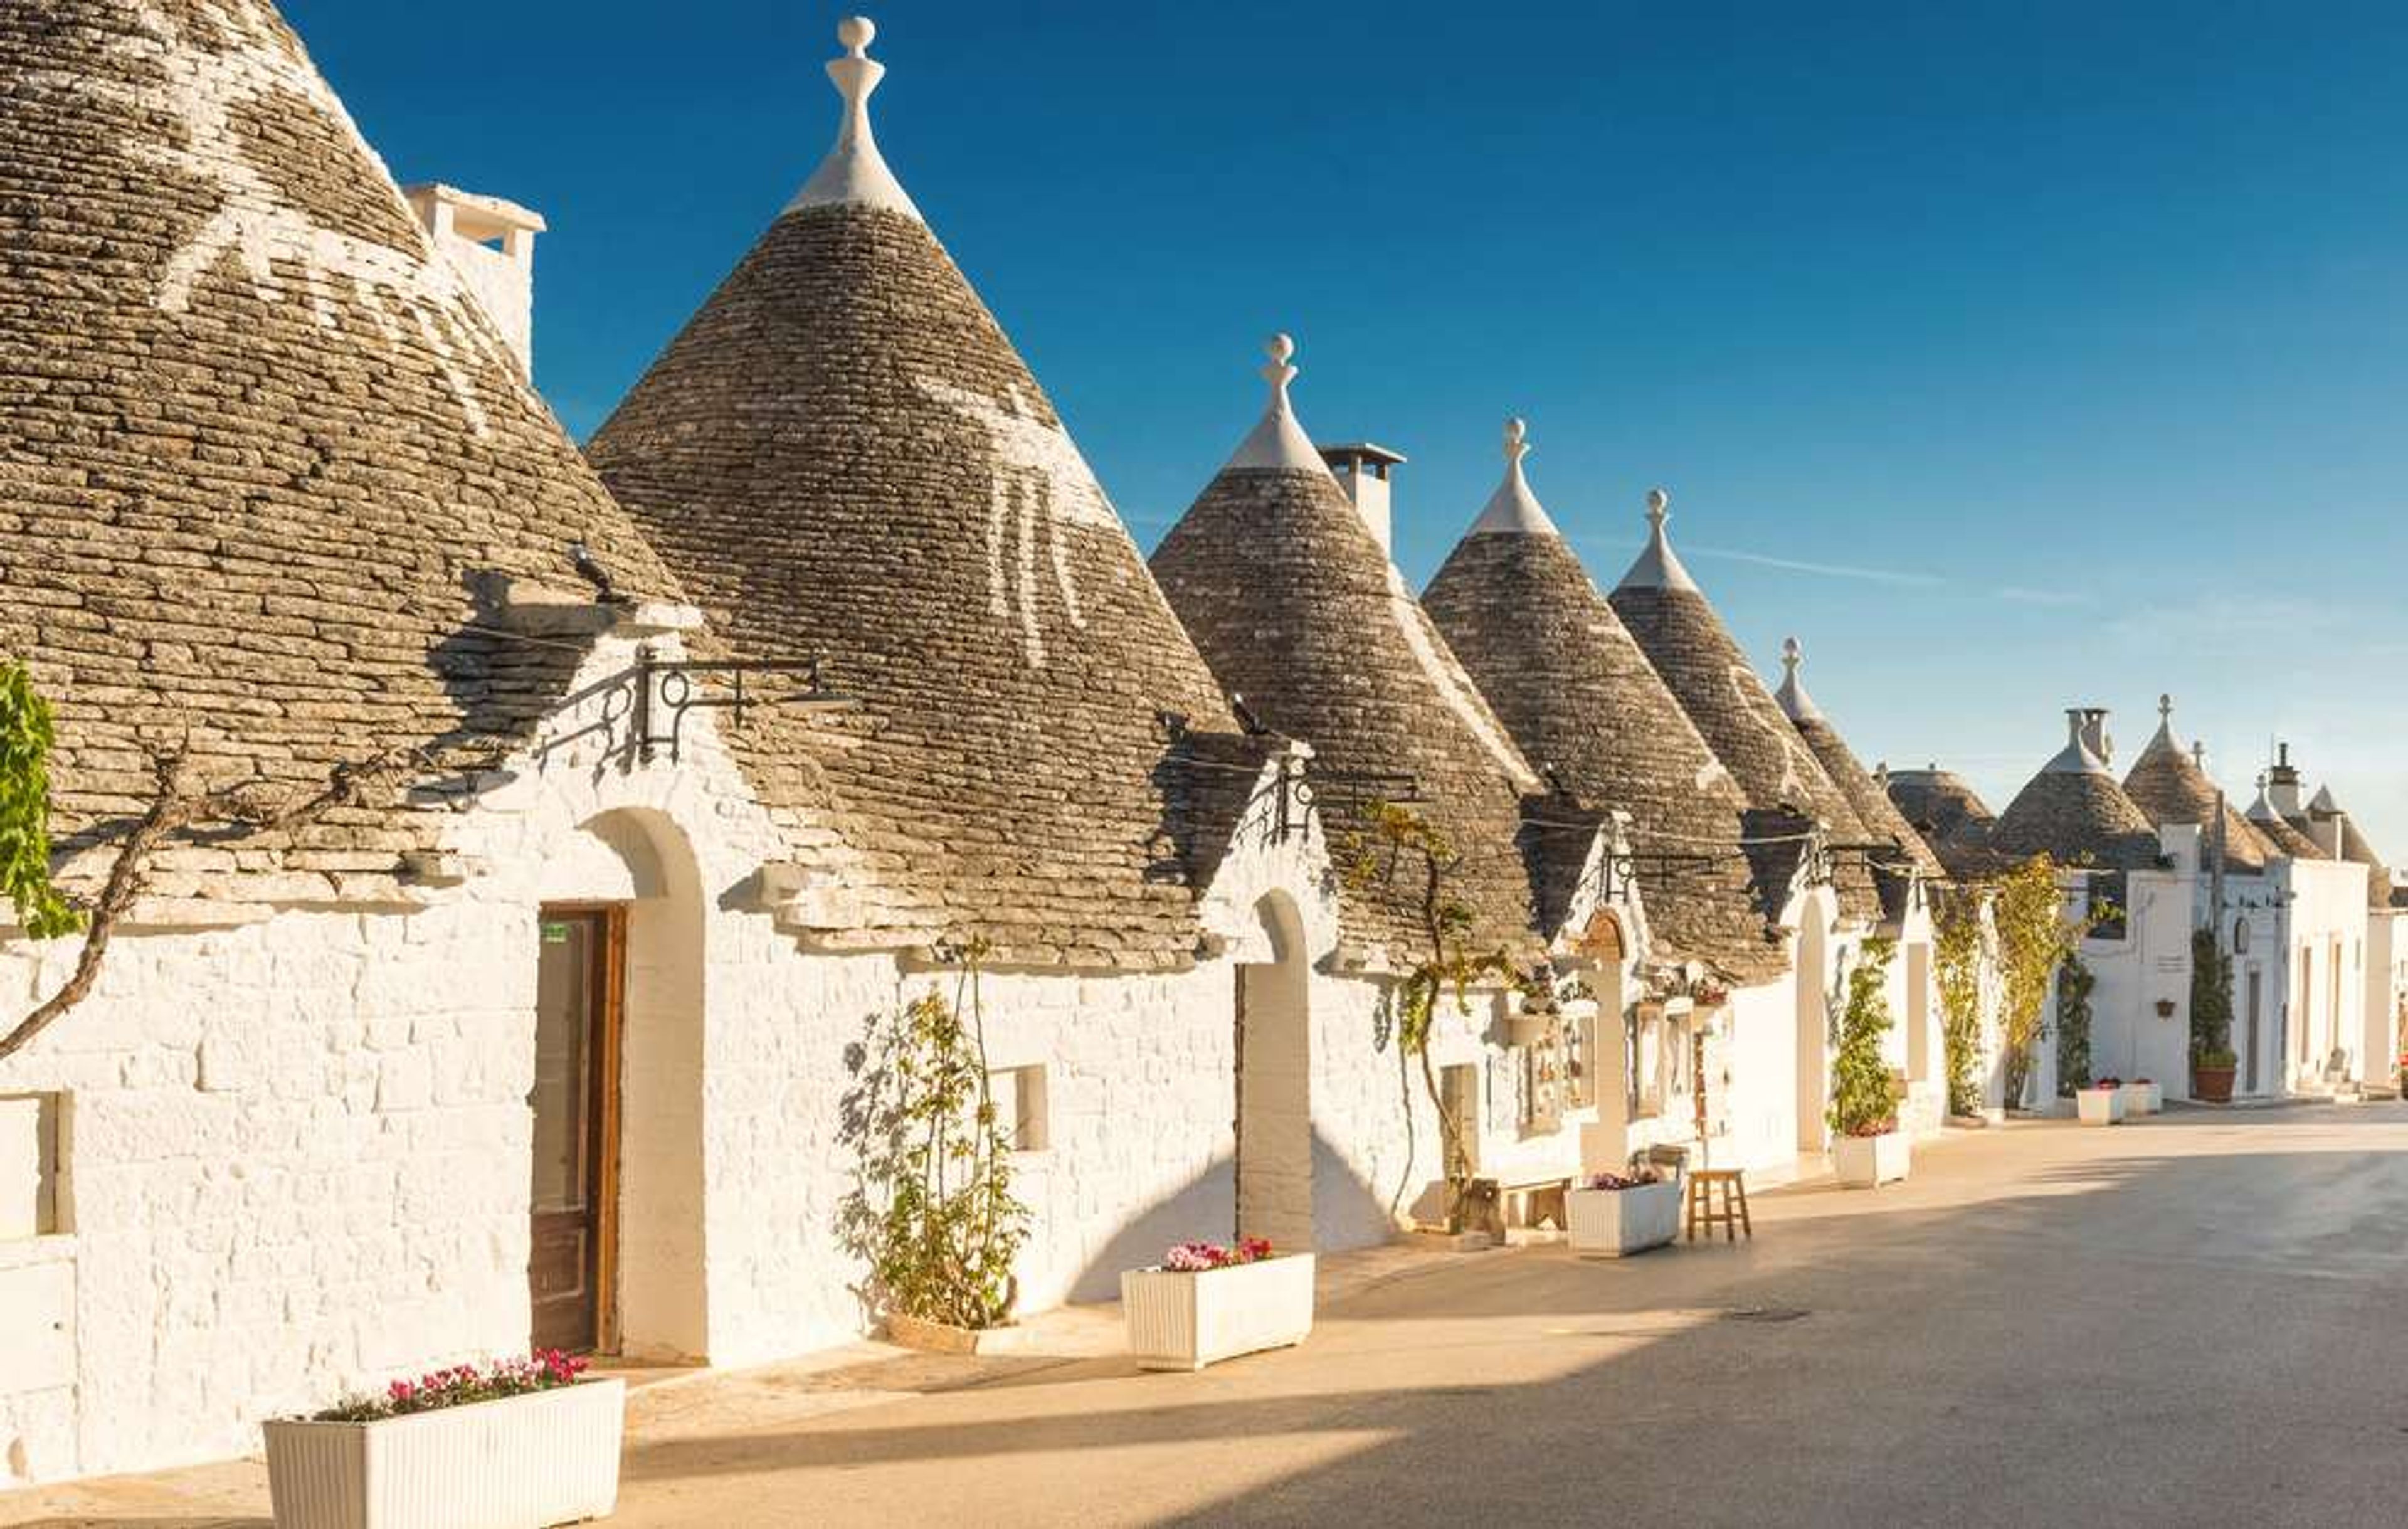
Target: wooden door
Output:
[{"x": 578, "y": 990}]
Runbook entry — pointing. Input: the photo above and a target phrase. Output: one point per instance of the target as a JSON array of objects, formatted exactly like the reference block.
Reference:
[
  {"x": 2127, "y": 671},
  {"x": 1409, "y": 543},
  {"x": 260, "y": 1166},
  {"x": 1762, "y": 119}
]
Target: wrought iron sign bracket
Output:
[{"x": 666, "y": 691}]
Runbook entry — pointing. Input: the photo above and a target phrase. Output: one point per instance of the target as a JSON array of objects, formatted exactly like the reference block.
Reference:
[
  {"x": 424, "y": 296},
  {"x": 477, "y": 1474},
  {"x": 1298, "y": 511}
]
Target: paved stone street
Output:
[{"x": 2195, "y": 1319}]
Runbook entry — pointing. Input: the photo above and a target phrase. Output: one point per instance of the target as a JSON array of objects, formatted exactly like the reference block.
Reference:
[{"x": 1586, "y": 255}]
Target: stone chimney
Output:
[
  {"x": 491, "y": 243},
  {"x": 2283, "y": 784},
  {"x": 1362, "y": 470}
]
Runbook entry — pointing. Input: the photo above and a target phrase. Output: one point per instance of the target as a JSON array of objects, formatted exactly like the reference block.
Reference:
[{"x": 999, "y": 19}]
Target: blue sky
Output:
[{"x": 2011, "y": 355}]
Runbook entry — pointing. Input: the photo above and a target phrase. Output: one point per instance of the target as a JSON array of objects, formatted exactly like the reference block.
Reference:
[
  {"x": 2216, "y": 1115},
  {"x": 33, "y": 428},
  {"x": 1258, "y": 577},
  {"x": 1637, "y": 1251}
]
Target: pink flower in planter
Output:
[{"x": 1199, "y": 1257}]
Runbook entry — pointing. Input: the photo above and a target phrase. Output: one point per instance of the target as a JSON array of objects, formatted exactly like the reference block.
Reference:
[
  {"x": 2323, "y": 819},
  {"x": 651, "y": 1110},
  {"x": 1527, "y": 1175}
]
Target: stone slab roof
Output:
[
  {"x": 1299, "y": 611},
  {"x": 2169, "y": 787},
  {"x": 1682, "y": 636},
  {"x": 1869, "y": 798},
  {"x": 262, "y": 454},
  {"x": 1949, "y": 814},
  {"x": 842, "y": 454},
  {"x": 2078, "y": 817},
  {"x": 1581, "y": 700}
]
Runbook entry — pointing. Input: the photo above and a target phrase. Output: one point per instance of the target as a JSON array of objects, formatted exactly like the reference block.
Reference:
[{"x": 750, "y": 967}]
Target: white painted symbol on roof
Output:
[
  {"x": 255, "y": 222},
  {"x": 1040, "y": 475}
]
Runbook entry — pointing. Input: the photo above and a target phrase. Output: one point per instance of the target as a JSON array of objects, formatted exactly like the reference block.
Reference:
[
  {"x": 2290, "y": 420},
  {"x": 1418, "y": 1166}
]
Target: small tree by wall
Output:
[
  {"x": 1862, "y": 1101},
  {"x": 1398, "y": 842},
  {"x": 2035, "y": 937},
  {"x": 26, "y": 737},
  {"x": 2074, "y": 981},
  {"x": 2210, "y": 1001},
  {"x": 933, "y": 1211}
]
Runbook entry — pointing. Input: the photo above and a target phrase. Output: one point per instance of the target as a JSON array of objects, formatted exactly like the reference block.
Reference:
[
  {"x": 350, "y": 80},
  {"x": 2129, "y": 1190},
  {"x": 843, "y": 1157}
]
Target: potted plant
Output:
[
  {"x": 1205, "y": 1303},
  {"x": 2100, "y": 1103},
  {"x": 1866, "y": 1148},
  {"x": 514, "y": 1444},
  {"x": 1614, "y": 1215},
  {"x": 2210, "y": 1074},
  {"x": 2165, "y": 1008},
  {"x": 2142, "y": 1097}
]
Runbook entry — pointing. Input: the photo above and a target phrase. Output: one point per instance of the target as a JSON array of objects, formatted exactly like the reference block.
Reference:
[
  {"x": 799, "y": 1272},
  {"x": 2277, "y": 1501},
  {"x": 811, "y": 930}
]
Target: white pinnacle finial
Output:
[
  {"x": 2198, "y": 752},
  {"x": 1657, "y": 567},
  {"x": 1514, "y": 510},
  {"x": 1279, "y": 443},
  {"x": 2165, "y": 708},
  {"x": 1795, "y": 703},
  {"x": 855, "y": 173}
]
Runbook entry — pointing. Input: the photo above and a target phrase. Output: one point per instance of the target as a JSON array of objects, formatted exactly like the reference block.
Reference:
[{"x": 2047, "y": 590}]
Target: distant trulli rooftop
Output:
[
  {"x": 2168, "y": 785},
  {"x": 1684, "y": 637},
  {"x": 2278, "y": 832},
  {"x": 843, "y": 455},
  {"x": 1870, "y": 798},
  {"x": 2073, "y": 811},
  {"x": 1299, "y": 611},
  {"x": 1550, "y": 655},
  {"x": 264, "y": 460},
  {"x": 1948, "y": 813}
]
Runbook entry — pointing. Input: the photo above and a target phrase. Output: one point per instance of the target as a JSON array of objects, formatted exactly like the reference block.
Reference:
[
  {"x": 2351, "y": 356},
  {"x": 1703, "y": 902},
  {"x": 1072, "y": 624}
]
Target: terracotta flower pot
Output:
[{"x": 2213, "y": 1084}]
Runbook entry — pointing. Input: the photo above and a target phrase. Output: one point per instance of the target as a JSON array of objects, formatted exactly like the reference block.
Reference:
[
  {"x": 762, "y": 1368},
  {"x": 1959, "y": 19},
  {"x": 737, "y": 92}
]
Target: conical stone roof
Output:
[
  {"x": 843, "y": 456},
  {"x": 262, "y": 454},
  {"x": 1948, "y": 813},
  {"x": 1299, "y": 612},
  {"x": 1682, "y": 636},
  {"x": 2167, "y": 783},
  {"x": 1546, "y": 650},
  {"x": 2074, "y": 813},
  {"x": 2279, "y": 832},
  {"x": 1869, "y": 797},
  {"x": 2356, "y": 849}
]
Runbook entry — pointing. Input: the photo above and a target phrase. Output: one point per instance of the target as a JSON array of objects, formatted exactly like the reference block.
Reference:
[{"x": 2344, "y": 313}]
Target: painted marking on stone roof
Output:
[
  {"x": 1453, "y": 686},
  {"x": 1041, "y": 486},
  {"x": 1785, "y": 738},
  {"x": 203, "y": 91}
]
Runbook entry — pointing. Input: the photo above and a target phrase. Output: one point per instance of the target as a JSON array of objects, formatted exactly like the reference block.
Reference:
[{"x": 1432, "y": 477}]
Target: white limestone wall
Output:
[
  {"x": 2386, "y": 995},
  {"x": 2326, "y": 935},
  {"x": 1763, "y": 1073},
  {"x": 299, "y": 1147},
  {"x": 2151, "y": 963}
]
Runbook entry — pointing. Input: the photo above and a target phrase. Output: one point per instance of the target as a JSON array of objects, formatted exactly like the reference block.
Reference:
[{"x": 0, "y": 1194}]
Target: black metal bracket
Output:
[
  {"x": 1356, "y": 787},
  {"x": 669, "y": 687}
]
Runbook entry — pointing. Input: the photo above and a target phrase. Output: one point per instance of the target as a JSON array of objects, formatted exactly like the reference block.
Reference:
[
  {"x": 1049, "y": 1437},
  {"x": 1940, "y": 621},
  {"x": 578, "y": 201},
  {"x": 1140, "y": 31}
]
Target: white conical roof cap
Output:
[
  {"x": 1514, "y": 510},
  {"x": 855, "y": 173},
  {"x": 1656, "y": 567},
  {"x": 1278, "y": 442},
  {"x": 1795, "y": 703}
]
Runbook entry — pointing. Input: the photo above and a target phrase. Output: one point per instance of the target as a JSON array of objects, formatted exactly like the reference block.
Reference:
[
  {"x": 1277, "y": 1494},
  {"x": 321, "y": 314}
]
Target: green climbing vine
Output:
[
  {"x": 1398, "y": 841},
  {"x": 25, "y": 740},
  {"x": 1957, "y": 961},
  {"x": 1862, "y": 1101},
  {"x": 2074, "y": 981},
  {"x": 2035, "y": 938}
]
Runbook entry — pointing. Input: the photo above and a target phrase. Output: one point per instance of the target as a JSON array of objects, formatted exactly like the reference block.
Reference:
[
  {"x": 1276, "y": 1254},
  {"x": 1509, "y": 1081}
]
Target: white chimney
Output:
[
  {"x": 491, "y": 243},
  {"x": 2094, "y": 734},
  {"x": 1362, "y": 470}
]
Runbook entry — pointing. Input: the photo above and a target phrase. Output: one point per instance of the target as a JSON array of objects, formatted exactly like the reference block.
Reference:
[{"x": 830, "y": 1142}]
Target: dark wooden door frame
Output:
[{"x": 608, "y": 982}]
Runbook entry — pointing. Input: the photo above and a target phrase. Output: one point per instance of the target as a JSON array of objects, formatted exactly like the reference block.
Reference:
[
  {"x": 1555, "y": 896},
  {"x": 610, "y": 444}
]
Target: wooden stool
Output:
[{"x": 1731, "y": 1216}]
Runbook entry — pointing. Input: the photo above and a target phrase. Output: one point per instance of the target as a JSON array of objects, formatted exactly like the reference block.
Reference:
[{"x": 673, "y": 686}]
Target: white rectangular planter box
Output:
[
  {"x": 1615, "y": 1224},
  {"x": 1184, "y": 1322},
  {"x": 2143, "y": 1098},
  {"x": 522, "y": 1462},
  {"x": 1864, "y": 1162},
  {"x": 2099, "y": 1106}
]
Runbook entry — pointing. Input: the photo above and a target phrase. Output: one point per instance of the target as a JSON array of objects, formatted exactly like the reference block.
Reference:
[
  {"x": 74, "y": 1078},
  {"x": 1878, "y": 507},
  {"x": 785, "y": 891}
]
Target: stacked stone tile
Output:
[
  {"x": 1682, "y": 636},
  {"x": 2073, "y": 811},
  {"x": 843, "y": 456},
  {"x": 2167, "y": 783},
  {"x": 1911, "y": 857},
  {"x": 1584, "y": 703},
  {"x": 1299, "y": 610},
  {"x": 2355, "y": 848},
  {"x": 2279, "y": 831},
  {"x": 259, "y": 447}
]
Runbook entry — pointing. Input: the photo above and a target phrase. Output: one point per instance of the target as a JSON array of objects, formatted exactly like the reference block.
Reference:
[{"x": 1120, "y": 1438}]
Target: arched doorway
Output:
[
  {"x": 616, "y": 1255},
  {"x": 1274, "y": 1102},
  {"x": 1813, "y": 1028}
]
